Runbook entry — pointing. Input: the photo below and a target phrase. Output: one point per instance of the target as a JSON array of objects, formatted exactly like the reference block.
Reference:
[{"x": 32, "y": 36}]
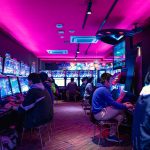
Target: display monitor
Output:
[
  {"x": 23, "y": 84},
  {"x": 58, "y": 73},
  {"x": 85, "y": 73},
  {"x": 69, "y": 80},
  {"x": 5, "y": 89},
  {"x": 14, "y": 85},
  {"x": 22, "y": 69},
  {"x": 16, "y": 68},
  {"x": 8, "y": 66},
  {"x": 33, "y": 70},
  {"x": 1, "y": 64},
  {"x": 72, "y": 73},
  {"x": 27, "y": 70},
  {"x": 119, "y": 56},
  {"x": 59, "y": 81},
  {"x": 101, "y": 72}
]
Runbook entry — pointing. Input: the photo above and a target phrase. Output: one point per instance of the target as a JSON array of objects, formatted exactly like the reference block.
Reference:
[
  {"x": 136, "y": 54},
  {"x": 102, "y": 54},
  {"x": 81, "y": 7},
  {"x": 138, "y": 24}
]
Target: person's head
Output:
[
  {"x": 72, "y": 79},
  {"x": 147, "y": 77},
  {"x": 43, "y": 76},
  {"x": 90, "y": 80},
  {"x": 106, "y": 79},
  {"x": 84, "y": 80},
  {"x": 33, "y": 78}
]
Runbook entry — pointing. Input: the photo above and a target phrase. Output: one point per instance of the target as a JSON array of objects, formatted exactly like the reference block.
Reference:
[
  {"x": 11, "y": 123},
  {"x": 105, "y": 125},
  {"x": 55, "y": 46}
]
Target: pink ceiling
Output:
[{"x": 33, "y": 24}]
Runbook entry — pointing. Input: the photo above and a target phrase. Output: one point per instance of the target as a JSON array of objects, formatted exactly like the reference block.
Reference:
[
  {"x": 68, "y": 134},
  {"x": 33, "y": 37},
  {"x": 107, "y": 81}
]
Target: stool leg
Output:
[
  {"x": 22, "y": 135},
  {"x": 94, "y": 130},
  {"x": 100, "y": 135},
  {"x": 48, "y": 132},
  {"x": 117, "y": 132},
  {"x": 40, "y": 137}
]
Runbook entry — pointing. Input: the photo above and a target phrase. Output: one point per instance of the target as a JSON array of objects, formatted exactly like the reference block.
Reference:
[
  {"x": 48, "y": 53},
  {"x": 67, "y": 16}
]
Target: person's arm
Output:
[
  {"x": 120, "y": 98},
  {"x": 111, "y": 101},
  {"x": 27, "y": 103}
]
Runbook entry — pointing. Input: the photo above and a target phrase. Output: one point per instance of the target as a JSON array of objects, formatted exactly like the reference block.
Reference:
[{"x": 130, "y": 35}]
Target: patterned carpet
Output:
[{"x": 72, "y": 130}]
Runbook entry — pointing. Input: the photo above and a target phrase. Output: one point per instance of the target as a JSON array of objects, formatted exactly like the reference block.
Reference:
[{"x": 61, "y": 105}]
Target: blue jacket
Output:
[
  {"x": 102, "y": 98},
  {"x": 141, "y": 121}
]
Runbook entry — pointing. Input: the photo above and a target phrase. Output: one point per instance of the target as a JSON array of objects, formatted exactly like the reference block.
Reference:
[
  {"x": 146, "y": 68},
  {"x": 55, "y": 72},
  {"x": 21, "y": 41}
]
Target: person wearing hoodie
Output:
[
  {"x": 104, "y": 107},
  {"x": 37, "y": 108},
  {"x": 141, "y": 118}
]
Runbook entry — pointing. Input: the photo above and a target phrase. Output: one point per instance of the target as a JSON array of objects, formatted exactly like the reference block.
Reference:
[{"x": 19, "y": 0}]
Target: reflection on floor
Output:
[{"x": 72, "y": 130}]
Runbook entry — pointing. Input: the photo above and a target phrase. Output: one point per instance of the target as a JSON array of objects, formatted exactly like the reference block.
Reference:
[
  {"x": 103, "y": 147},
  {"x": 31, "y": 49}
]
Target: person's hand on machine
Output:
[{"x": 128, "y": 105}]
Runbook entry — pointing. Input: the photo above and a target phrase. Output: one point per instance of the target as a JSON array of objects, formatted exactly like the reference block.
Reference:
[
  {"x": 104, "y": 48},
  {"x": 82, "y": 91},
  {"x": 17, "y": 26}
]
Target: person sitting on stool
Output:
[
  {"x": 104, "y": 107},
  {"x": 37, "y": 108}
]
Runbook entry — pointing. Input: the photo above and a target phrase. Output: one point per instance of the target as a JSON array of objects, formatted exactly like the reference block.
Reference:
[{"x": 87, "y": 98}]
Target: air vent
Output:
[
  {"x": 57, "y": 51},
  {"x": 83, "y": 39}
]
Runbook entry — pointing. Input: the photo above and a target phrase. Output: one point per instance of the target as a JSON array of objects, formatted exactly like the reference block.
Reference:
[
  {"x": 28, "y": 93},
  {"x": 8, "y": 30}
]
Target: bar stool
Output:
[
  {"x": 39, "y": 129},
  {"x": 104, "y": 125}
]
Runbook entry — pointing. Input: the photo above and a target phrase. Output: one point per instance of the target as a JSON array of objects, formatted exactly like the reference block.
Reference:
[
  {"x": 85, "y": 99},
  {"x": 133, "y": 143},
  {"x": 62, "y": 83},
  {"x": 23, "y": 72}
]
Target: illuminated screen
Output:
[
  {"x": 14, "y": 85},
  {"x": 16, "y": 67},
  {"x": 58, "y": 73},
  {"x": 5, "y": 89},
  {"x": 119, "y": 56},
  {"x": 71, "y": 73},
  {"x": 22, "y": 69},
  {"x": 27, "y": 70},
  {"x": 59, "y": 81},
  {"x": 69, "y": 80},
  {"x": 8, "y": 66},
  {"x": 101, "y": 72},
  {"x": 85, "y": 74},
  {"x": 23, "y": 84},
  {"x": 1, "y": 61}
]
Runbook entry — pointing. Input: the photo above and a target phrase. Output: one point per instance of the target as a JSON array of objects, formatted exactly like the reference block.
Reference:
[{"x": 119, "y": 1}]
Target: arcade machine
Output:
[
  {"x": 1, "y": 65},
  {"x": 70, "y": 74},
  {"x": 23, "y": 81},
  {"x": 59, "y": 77},
  {"x": 33, "y": 67},
  {"x": 5, "y": 112},
  {"x": 85, "y": 73},
  {"x": 23, "y": 85},
  {"x": 100, "y": 72}
]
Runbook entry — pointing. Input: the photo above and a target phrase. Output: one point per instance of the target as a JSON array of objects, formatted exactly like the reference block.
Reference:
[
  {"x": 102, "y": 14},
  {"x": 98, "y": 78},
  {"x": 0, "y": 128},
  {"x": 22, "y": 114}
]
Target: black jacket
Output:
[
  {"x": 141, "y": 121},
  {"x": 37, "y": 106}
]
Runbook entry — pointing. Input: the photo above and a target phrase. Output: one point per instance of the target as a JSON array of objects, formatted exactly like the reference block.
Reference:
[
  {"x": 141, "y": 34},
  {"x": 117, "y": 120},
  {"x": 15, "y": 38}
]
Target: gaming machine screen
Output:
[
  {"x": 14, "y": 85},
  {"x": 5, "y": 89}
]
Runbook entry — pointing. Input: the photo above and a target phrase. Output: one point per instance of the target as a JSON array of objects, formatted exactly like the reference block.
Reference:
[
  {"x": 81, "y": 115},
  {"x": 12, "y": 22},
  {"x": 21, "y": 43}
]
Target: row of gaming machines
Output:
[
  {"x": 12, "y": 86},
  {"x": 62, "y": 78}
]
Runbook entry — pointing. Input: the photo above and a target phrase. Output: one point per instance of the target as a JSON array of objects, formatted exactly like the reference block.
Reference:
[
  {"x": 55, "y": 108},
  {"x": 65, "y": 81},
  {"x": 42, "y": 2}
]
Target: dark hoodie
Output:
[
  {"x": 37, "y": 106},
  {"x": 102, "y": 98},
  {"x": 141, "y": 121}
]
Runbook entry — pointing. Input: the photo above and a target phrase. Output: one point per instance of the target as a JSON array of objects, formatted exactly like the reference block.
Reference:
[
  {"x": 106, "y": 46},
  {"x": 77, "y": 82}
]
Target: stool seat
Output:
[
  {"x": 101, "y": 124},
  {"x": 111, "y": 121}
]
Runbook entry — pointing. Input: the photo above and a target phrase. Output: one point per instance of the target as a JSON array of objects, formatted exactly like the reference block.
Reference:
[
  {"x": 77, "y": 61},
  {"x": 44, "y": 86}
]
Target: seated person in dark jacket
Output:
[
  {"x": 104, "y": 107},
  {"x": 82, "y": 87},
  {"x": 44, "y": 79},
  {"x": 36, "y": 108},
  {"x": 141, "y": 118}
]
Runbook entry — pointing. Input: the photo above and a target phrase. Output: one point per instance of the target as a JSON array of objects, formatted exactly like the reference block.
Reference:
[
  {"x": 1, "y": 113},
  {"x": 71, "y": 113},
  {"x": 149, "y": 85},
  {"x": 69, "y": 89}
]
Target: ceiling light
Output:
[
  {"x": 62, "y": 37},
  {"x": 89, "y": 8},
  {"x": 61, "y": 31},
  {"x": 59, "y": 25},
  {"x": 78, "y": 51},
  {"x": 89, "y": 12},
  {"x": 71, "y": 31}
]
